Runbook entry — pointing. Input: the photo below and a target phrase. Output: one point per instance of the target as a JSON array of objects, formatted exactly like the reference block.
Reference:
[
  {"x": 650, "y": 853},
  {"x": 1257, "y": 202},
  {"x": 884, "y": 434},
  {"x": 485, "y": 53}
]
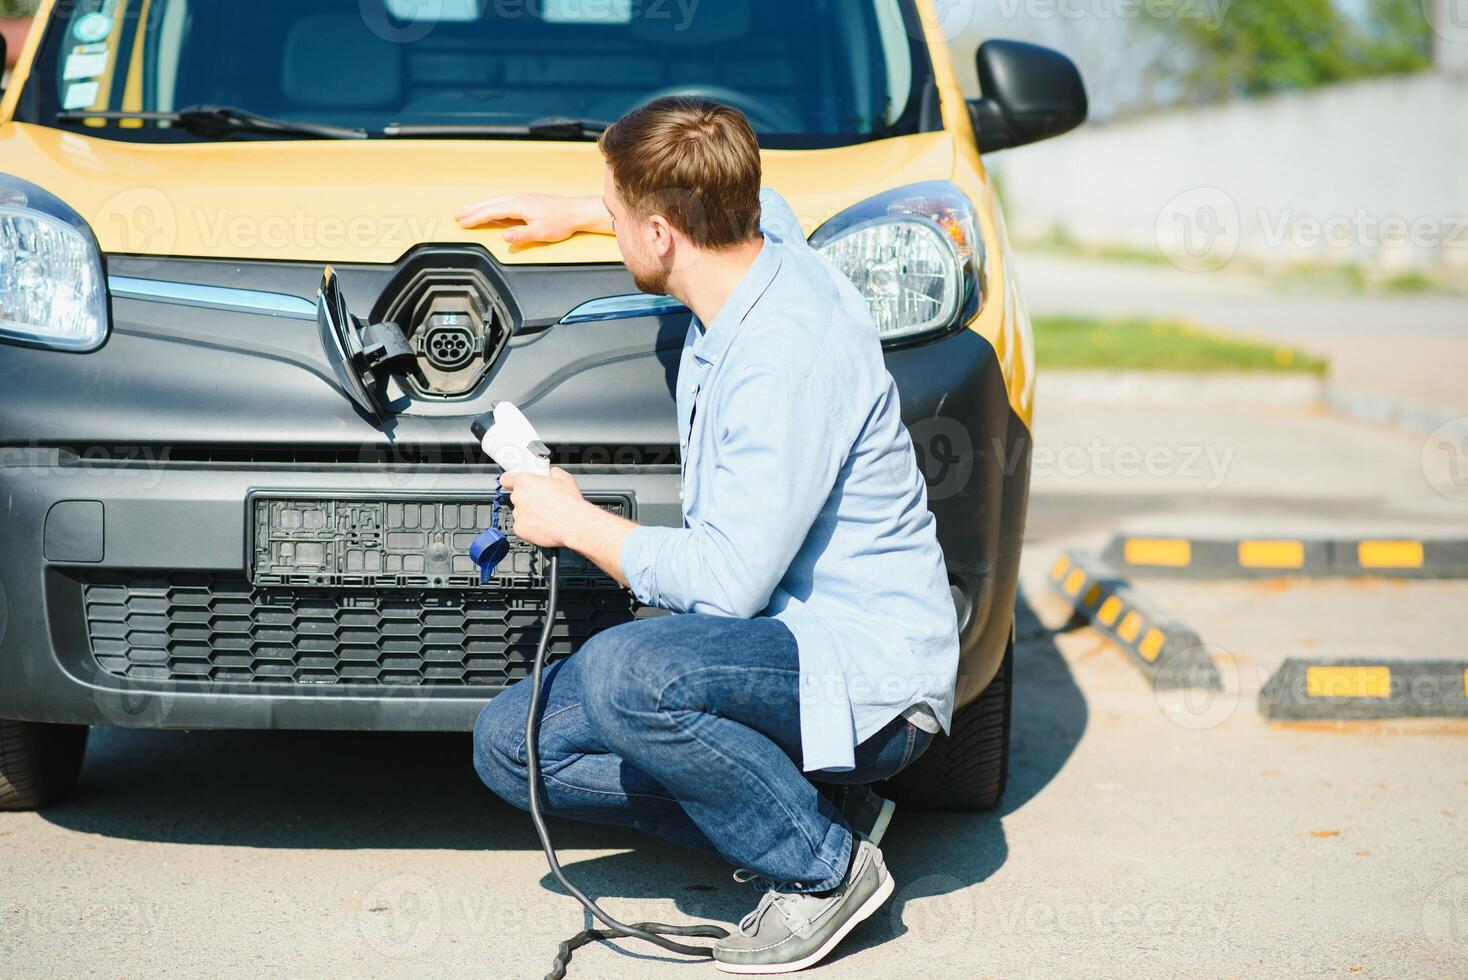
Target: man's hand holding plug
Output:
[{"x": 551, "y": 512}]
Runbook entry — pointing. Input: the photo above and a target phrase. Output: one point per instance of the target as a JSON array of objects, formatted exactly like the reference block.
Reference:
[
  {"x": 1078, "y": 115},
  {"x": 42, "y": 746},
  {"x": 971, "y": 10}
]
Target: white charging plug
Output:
[{"x": 509, "y": 439}]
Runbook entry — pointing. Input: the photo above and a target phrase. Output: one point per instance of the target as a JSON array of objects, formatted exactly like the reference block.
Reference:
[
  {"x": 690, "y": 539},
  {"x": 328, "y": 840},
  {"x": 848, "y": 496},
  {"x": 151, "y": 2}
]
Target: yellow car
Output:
[{"x": 241, "y": 340}]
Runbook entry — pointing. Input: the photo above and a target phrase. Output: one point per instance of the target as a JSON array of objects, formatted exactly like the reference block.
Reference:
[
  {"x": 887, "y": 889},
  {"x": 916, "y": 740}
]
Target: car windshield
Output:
[{"x": 806, "y": 72}]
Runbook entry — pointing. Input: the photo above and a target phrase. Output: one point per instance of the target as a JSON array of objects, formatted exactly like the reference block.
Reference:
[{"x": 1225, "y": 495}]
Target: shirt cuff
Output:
[{"x": 640, "y": 558}]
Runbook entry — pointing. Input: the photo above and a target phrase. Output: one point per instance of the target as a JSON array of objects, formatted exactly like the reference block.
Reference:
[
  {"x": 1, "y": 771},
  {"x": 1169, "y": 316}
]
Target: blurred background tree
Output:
[
  {"x": 18, "y": 8},
  {"x": 1219, "y": 50},
  {"x": 1264, "y": 46}
]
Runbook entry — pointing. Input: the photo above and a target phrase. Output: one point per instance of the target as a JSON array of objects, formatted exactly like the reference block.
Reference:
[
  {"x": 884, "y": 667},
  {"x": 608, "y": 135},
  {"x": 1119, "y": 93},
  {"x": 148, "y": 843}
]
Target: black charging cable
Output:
[{"x": 652, "y": 932}]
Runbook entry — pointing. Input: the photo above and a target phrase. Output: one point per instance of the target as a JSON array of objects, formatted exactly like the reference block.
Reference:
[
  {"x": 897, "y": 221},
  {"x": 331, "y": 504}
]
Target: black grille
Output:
[{"x": 220, "y": 629}]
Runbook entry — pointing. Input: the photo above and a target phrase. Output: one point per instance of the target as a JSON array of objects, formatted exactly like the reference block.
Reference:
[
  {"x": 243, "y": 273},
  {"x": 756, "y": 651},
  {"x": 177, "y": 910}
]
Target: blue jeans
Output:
[{"x": 688, "y": 727}]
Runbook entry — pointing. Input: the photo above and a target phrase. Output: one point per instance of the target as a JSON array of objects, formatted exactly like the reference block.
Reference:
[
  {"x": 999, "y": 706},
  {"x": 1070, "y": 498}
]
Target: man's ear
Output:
[{"x": 661, "y": 235}]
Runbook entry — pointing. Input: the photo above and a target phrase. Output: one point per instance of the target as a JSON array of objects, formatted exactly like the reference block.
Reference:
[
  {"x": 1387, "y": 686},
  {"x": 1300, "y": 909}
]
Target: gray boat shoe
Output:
[{"x": 788, "y": 932}]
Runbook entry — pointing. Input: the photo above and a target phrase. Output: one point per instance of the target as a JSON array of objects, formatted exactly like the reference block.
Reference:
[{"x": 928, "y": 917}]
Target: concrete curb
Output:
[
  {"x": 1417, "y": 417},
  {"x": 1164, "y": 649},
  {"x": 1183, "y": 557},
  {"x": 1236, "y": 388},
  {"x": 1307, "y": 690},
  {"x": 1197, "y": 389}
]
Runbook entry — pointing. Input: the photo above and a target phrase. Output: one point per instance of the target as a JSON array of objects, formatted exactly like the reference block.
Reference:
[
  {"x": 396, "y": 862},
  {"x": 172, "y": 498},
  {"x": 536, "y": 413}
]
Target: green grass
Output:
[{"x": 1157, "y": 345}]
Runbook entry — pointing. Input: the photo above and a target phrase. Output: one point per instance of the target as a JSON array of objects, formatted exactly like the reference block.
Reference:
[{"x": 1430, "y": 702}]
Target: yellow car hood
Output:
[{"x": 371, "y": 201}]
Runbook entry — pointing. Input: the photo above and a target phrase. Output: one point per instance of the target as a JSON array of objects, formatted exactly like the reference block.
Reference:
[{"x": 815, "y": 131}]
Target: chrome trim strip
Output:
[
  {"x": 624, "y": 308},
  {"x": 212, "y": 297}
]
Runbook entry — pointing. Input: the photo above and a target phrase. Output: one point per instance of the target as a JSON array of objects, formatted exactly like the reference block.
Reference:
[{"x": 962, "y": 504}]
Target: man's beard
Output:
[{"x": 654, "y": 282}]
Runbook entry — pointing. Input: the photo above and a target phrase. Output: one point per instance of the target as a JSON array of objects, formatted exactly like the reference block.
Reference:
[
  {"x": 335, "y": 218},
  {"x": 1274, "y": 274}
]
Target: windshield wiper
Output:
[
  {"x": 216, "y": 121},
  {"x": 548, "y": 127}
]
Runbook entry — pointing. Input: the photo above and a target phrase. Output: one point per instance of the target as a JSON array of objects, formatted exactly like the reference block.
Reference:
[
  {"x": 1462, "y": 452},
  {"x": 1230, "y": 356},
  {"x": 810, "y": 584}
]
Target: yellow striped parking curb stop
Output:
[
  {"x": 1170, "y": 654},
  {"x": 1267, "y": 557},
  {"x": 1364, "y": 689}
]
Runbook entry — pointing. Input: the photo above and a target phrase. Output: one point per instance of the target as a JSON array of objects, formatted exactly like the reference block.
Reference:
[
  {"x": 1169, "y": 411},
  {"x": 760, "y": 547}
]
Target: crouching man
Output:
[{"x": 814, "y": 639}]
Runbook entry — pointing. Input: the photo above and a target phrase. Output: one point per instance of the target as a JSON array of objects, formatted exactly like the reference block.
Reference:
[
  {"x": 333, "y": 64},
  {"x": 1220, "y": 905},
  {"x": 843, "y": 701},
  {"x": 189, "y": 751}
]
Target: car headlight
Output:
[
  {"x": 52, "y": 289},
  {"x": 914, "y": 253}
]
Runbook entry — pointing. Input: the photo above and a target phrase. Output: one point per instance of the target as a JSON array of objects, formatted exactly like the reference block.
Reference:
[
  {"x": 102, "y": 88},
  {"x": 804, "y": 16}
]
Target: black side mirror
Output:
[{"x": 1030, "y": 94}]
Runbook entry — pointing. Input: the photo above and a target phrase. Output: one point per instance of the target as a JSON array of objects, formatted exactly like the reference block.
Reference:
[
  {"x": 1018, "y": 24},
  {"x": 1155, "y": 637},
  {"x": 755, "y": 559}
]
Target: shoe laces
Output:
[
  {"x": 783, "y": 902},
  {"x": 765, "y": 885}
]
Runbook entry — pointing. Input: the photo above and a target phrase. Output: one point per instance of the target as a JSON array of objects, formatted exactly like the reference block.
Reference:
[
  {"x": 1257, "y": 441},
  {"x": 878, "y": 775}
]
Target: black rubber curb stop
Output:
[
  {"x": 1165, "y": 650},
  {"x": 1304, "y": 690},
  {"x": 1272, "y": 557}
]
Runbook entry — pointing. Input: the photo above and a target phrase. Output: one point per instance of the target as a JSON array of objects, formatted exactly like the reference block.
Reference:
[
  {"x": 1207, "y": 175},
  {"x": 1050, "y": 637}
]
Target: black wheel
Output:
[
  {"x": 967, "y": 769},
  {"x": 38, "y": 763}
]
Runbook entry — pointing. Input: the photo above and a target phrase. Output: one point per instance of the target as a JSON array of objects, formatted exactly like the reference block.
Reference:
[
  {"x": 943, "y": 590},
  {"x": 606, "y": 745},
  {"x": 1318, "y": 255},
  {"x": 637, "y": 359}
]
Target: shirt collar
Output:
[{"x": 713, "y": 341}]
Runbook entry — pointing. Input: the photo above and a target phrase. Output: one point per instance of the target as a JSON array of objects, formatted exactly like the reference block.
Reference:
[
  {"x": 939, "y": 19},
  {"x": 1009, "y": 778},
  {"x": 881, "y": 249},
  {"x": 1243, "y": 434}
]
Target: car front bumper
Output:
[{"x": 131, "y": 557}]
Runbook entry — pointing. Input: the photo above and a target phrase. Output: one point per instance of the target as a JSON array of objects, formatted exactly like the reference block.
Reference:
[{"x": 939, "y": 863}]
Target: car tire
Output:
[
  {"x": 968, "y": 768},
  {"x": 38, "y": 763}
]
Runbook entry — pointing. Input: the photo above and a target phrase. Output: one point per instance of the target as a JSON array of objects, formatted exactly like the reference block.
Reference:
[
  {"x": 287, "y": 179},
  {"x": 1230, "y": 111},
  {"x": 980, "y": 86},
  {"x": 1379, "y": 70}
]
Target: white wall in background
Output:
[{"x": 1372, "y": 172}]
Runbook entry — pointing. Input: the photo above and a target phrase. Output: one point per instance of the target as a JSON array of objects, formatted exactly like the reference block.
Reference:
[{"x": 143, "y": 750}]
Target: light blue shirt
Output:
[{"x": 802, "y": 499}]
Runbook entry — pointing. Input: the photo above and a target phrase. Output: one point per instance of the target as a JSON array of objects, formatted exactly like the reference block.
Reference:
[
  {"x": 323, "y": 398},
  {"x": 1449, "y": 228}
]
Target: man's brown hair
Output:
[{"x": 693, "y": 161}]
